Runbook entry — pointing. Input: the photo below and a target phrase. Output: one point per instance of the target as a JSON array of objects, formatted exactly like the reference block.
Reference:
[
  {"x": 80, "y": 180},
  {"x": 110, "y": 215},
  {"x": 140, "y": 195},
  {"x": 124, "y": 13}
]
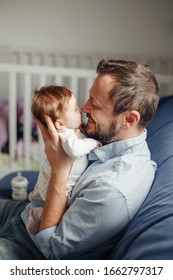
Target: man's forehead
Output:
[{"x": 101, "y": 87}]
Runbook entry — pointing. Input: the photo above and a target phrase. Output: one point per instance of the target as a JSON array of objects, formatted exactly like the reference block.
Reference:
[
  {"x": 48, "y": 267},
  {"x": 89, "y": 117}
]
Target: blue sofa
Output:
[{"x": 149, "y": 236}]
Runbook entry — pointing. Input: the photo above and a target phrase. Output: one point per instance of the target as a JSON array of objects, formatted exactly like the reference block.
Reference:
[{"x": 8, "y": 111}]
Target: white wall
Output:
[{"x": 112, "y": 26}]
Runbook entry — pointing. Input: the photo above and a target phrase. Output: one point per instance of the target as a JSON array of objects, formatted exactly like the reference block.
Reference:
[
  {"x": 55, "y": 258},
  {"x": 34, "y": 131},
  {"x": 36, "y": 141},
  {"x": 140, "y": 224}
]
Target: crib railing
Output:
[{"x": 22, "y": 79}]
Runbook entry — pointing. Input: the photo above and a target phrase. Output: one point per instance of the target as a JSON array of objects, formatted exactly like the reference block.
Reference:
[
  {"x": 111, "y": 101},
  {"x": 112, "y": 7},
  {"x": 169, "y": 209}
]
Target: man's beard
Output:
[{"x": 103, "y": 137}]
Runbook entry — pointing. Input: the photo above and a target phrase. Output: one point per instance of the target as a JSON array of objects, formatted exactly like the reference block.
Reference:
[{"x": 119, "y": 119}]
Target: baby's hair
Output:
[{"x": 49, "y": 100}]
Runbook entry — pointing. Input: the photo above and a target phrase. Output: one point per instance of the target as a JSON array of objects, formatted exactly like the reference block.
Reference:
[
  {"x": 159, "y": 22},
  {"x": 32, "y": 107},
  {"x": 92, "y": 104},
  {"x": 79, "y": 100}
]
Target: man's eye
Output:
[{"x": 96, "y": 107}]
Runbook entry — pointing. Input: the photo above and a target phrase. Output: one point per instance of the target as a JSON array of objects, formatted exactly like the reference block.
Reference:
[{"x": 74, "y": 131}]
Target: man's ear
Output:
[
  {"x": 131, "y": 119},
  {"x": 59, "y": 124}
]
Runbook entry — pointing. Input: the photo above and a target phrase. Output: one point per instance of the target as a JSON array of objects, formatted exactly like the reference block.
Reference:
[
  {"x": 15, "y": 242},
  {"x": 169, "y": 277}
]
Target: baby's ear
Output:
[{"x": 59, "y": 124}]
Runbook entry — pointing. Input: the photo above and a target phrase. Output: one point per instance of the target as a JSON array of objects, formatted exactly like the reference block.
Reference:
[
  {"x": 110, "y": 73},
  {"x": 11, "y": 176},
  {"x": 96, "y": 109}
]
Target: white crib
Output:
[
  {"x": 20, "y": 80},
  {"x": 79, "y": 82}
]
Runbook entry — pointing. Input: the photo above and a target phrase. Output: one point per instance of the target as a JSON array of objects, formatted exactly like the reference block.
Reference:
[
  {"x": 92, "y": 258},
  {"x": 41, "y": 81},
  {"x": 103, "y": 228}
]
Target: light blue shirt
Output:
[{"x": 104, "y": 200}]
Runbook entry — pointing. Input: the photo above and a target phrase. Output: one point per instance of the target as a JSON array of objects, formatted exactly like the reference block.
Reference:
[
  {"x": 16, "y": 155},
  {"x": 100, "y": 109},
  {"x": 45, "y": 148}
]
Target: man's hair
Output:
[
  {"x": 49, "y": 100},
  {"x": 134, "y": 88}
]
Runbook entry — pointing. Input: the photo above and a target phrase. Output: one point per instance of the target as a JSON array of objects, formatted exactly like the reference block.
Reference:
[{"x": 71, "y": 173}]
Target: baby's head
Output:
[{"x": 58, "y": 103}]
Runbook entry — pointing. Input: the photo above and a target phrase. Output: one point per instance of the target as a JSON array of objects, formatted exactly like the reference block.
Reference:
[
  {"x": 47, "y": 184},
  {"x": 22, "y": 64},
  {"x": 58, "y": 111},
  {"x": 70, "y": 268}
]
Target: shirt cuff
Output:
[{"x": 43, "y": 239}]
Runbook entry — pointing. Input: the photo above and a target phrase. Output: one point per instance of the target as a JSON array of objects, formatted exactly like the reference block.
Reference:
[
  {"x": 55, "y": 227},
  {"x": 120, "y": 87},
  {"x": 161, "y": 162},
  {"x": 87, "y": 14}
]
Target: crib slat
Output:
[
  {"x": 27, "y": 119},
  {"x": 43, "y": 80},
  {"x": 58, "y": 80},
  {"x": 74, "y": 86},
  {"x": 12, "y": 118}
]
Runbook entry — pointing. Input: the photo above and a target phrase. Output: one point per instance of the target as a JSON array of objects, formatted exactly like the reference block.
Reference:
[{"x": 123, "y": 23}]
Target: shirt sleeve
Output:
[
  {"x": 75, "y": 147},
  {"x": 93, "y": 219}
]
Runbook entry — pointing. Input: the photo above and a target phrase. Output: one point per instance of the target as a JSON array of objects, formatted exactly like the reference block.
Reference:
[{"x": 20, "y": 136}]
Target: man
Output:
[{"x": 123, "y": 99}]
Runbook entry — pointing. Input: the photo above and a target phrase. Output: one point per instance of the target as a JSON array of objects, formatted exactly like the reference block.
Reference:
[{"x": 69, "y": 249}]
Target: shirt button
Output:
[{"x": 103, "y": 159}]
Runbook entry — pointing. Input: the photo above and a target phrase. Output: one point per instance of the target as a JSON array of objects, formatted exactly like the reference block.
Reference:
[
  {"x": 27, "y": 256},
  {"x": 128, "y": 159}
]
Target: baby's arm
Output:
[{"x": 76, "y": 147}]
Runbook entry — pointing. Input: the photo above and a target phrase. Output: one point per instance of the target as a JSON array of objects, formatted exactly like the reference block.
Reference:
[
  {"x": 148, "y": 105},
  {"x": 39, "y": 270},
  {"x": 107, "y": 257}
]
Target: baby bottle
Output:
[{"x": 19, "y": 186}]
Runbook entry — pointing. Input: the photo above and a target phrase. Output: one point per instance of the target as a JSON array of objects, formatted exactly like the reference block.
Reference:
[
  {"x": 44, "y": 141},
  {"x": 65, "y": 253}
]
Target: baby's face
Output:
[{"x": 71, "y": 114}]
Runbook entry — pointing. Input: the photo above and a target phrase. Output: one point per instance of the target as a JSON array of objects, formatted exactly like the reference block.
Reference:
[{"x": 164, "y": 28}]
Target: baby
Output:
[{"x": 60, "y": 104}]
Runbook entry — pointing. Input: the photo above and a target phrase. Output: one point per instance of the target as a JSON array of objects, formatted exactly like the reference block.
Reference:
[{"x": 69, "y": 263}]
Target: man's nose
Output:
[{"x": 86, "y": 107}]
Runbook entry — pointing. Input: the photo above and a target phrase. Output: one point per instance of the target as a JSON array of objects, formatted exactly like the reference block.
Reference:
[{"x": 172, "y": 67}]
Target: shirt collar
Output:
[{"x": 116, "y": 148}]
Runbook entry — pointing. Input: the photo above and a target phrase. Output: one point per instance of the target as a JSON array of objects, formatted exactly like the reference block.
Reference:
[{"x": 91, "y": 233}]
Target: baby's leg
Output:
[{"x": 34, "y": 220}]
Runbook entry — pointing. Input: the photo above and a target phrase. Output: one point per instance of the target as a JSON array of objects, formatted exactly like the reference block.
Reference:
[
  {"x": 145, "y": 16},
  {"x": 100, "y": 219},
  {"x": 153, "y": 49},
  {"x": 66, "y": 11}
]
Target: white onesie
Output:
[{"x": 76, "y": 148}]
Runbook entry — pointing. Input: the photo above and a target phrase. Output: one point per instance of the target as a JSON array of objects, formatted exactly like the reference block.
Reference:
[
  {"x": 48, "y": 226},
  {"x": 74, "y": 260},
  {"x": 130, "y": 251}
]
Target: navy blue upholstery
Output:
[{"x": 150, "y": 234}]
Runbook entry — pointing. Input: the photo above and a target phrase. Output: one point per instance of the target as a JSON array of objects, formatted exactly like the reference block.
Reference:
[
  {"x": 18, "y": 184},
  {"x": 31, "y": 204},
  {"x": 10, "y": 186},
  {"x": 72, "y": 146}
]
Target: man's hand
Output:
[
  {"x": 60, "y": 162},
  {"x": 56, "y": 156}
]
